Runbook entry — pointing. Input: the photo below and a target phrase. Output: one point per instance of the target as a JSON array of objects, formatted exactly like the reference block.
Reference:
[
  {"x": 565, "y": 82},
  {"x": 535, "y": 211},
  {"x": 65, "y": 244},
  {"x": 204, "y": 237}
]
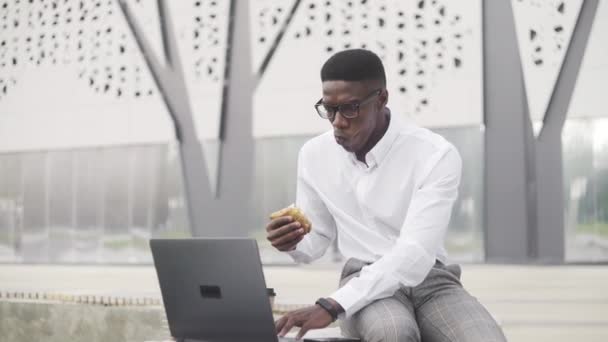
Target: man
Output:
[{"x": 384, "y": 188}]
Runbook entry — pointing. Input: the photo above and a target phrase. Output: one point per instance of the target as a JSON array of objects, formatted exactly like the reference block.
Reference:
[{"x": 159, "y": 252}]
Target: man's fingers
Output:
[
  {"x": 278, "y": 222},
  {"x": 288, "y": 237},
  {"x": 288, "y": 325},
  {"x": 290, "y": 245},
  {"x": 302, "y": 331},
  {"x": 282, "y": 231},
  {"x": 280, "y": 323}
]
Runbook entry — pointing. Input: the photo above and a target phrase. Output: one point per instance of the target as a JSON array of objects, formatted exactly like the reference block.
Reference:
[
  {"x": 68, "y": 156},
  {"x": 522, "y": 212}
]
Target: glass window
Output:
[
  {"x": 60, "y": 206},
  {"x": 11, "y": 208},
  {"x": 116, "y": 205},
  {"x": 89, "y": 201},
  {"x": 585, "y": 158},
  {"x": 35, "y": 236}
]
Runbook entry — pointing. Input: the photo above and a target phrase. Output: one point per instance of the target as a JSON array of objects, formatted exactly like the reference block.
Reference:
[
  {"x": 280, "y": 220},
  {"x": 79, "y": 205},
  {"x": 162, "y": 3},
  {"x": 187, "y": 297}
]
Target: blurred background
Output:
[{"x": 90, "y": 167}]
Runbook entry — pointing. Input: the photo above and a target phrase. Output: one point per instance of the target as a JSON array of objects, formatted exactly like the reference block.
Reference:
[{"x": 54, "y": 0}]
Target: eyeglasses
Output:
[{"x": 347, "y": 110}]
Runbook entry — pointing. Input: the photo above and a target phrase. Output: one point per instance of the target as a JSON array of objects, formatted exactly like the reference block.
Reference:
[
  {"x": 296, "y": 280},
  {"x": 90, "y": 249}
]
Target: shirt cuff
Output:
[
  {"x": 350, "y": 299},
  {"x": 298, "y": 256}
]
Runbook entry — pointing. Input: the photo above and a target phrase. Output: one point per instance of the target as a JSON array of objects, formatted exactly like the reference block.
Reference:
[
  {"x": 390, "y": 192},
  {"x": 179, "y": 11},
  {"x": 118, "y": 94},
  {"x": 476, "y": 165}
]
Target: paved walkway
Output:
[{"x": 532, "y": 303}]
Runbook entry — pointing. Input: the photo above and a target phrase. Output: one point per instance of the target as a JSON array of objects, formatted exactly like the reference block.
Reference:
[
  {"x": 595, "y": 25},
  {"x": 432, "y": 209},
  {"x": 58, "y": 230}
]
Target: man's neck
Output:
[{"x": 376, "y": 136}]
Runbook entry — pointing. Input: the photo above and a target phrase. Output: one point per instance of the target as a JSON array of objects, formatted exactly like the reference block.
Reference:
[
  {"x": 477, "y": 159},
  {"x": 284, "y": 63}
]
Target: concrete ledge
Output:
[
  {"x": 531, "y": 302},
  {"x": 65, "y": 320},
  {"x": 60, "y": 322}
]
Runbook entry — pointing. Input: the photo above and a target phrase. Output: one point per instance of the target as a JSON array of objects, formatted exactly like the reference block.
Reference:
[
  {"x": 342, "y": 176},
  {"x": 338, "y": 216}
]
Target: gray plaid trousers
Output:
[{"x": 437, "y": 310}]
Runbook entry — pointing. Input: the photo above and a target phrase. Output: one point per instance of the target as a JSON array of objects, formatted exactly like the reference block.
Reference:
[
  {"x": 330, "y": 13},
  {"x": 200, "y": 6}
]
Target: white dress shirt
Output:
[{"x": 393, "y": 212}]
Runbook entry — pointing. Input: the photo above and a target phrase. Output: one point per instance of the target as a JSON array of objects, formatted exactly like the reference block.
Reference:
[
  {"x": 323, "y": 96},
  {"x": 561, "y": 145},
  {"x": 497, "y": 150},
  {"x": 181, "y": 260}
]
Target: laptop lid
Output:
[{"x": 213, "y": 289}]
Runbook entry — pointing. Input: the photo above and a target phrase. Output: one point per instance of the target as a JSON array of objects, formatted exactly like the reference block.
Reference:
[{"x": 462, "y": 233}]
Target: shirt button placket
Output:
[{"x": 362, "y": 196}]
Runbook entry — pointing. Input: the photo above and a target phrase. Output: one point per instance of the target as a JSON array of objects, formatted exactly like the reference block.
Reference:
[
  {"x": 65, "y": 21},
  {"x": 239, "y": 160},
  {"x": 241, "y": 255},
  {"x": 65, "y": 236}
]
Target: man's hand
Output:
[
  {"x": 312, "y": 317},
  {"x": 284, "y": 233}
]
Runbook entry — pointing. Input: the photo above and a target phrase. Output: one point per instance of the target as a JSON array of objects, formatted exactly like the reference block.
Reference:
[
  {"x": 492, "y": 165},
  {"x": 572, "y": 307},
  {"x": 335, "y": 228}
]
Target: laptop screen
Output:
[{"x": 213, "y": 289}]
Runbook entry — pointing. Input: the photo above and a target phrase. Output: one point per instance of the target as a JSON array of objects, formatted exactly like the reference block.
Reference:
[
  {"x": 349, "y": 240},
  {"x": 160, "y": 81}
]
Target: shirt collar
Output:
[{"x": 376, "y": 155}]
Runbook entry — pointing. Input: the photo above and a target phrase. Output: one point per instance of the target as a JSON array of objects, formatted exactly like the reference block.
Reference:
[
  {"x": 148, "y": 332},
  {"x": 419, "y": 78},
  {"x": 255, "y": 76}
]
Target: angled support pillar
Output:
[
  {"x": 506, "y": 181},
  {"x": 550, "y": 230},
  {"x": 524, "y": 203},
  {"x": 209, "y": 216}
]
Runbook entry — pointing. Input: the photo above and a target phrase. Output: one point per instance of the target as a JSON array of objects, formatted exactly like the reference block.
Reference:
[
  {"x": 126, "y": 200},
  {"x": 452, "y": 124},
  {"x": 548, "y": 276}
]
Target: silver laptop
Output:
[{"x": 214, "y": 290}]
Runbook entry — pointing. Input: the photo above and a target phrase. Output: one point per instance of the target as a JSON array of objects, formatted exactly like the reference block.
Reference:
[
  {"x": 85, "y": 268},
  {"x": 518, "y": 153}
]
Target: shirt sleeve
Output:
[
  {"x": 323, "y": 231},
  {"x": 421, "y": 236}
]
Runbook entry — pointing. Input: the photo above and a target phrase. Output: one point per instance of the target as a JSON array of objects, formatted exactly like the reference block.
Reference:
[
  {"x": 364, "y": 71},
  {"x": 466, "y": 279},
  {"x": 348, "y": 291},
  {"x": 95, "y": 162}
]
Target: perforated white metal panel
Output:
[
  {"x": 544, "y": 29},
  {"x": 589, "y": 97},
  {"x": 431, "y": 51},
  {"x": 71, "y": 74}
]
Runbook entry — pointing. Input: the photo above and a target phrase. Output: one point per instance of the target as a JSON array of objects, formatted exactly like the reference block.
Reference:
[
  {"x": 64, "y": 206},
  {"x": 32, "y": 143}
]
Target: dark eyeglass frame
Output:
[{"x": 332, "y": 110}]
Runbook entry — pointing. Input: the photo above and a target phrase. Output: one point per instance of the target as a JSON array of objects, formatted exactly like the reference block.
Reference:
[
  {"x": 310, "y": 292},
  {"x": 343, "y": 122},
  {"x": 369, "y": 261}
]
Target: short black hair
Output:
[{"x": 354, "y": 65}]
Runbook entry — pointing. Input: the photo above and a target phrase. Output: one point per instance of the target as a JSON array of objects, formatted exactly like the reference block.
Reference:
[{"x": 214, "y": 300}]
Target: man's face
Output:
[{"x": 353, "y": 134}]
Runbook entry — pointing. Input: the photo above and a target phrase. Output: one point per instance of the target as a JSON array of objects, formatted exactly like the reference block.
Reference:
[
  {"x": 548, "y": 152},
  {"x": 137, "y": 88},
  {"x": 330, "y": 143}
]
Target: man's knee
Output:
[{"x": 391, "y": 330}]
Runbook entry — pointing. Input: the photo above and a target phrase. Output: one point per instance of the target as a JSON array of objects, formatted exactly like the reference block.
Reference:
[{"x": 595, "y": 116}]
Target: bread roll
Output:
[{"x": 297, "y": 215}]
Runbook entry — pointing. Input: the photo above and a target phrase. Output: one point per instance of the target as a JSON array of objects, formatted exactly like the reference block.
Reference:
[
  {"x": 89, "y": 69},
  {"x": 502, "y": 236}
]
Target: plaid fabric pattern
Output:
[{"x": 437, "y": 310}]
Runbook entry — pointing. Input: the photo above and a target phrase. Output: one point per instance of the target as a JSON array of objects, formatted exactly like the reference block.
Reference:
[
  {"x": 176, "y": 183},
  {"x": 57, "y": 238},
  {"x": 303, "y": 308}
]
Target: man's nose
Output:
[{"x": 339, "y": 121}]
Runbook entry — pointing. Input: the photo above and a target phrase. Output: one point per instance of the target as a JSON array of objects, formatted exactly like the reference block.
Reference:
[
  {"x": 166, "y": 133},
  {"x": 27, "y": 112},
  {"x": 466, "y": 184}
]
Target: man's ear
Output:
[{"x": 383, "y": 97}]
